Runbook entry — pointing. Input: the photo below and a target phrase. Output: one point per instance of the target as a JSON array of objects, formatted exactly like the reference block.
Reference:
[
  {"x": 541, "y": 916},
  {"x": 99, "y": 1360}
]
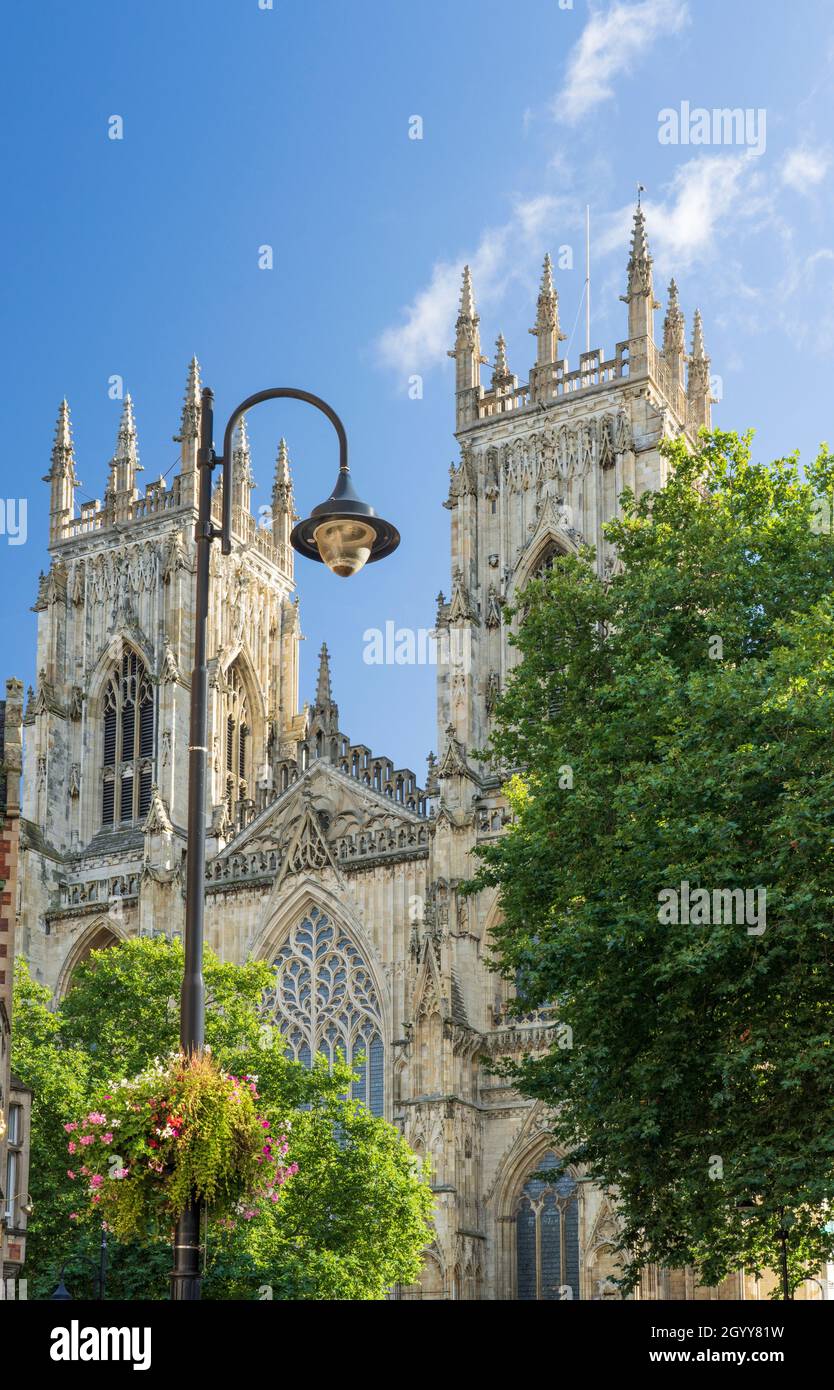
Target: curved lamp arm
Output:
[{"x": 273, "y": 393}]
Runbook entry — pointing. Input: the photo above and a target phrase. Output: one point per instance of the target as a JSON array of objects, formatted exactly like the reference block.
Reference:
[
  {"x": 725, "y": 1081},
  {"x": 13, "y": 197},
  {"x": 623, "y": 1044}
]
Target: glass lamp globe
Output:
[{"x": 344, "y": 532}]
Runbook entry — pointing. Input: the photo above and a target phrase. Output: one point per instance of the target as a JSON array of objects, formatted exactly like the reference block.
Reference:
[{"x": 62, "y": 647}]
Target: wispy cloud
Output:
[
  {"x": 502, "y": 257},
  {"x": 713, "y": 202},
  {"x": 612, "y": 43},
  {"x": 804, "y": 168},
  {"x": 705, "y": 196}
]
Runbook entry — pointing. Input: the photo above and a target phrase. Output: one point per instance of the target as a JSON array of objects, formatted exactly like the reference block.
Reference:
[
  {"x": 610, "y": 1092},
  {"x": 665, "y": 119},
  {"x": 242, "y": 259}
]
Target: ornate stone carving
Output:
[{"x": 157, "y": 822}]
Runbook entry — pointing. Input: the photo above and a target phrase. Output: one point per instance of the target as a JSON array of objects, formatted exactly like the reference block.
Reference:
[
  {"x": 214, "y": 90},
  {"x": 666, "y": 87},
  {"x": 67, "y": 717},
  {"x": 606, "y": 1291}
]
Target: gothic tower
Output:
[
  {"x": 542, "y": 465},
  {"x": 107, "y": 727}
]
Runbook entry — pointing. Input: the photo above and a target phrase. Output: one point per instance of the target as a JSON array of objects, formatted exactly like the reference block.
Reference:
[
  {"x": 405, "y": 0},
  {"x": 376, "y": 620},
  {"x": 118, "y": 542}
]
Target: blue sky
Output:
[{"x": 290, "y": 127}]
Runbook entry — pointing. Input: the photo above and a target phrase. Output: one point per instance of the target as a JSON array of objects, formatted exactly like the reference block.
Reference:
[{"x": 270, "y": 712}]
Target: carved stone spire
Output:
[
  {"x": 61, "y": 476},
  {"x": 282, "y": 483},
  {"x": 324, "y": 694},
  {"x": 698, "y": 350},
  {"x": 699, "y": 399},
  {"x": 324, "y": 716},
  {"x": 189, "y": 435},
  {"x": 674, "y": 339},
  {"x": 124, "y": 465},
  {"x": 546, "y": 330},
  {"x": 190, "y": 419},
  {"x": 674, "y": 335},
  {"x": 640, "y": 296},
  {"x": 283, "y": 507},
  {"x": 242, "y": 480},
  {"x": 467, "y": 351},
  {"x": 502, "y": 378},
  {"x": 467, "y": 297}
]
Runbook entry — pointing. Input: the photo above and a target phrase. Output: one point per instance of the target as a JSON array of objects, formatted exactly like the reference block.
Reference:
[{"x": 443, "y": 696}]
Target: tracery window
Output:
[
  {"x": 128, "y": 742},
  {"x": 547, "y": 1237},
  {"x": 545, "y": 564},
  {"x": 236, "y": 742},
  {"x": 324, "y": 1001}
]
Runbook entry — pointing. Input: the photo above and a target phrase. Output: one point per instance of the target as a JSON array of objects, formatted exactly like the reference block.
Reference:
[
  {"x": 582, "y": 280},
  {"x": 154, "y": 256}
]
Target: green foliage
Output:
[
  {"x": 59, "y": 1078},
  {"x": 699, "y": 1083},
  {"x": 360, "y": 1230},
  {"x": 351, "y": 1222},
  {"x": 123, "y": 1009}
]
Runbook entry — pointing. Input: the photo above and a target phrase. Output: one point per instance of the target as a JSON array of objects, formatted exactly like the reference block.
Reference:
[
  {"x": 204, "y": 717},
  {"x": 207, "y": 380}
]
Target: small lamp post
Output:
[
  {"x": 345, "y": 534},
  {"x": 62, "y": 1293}
]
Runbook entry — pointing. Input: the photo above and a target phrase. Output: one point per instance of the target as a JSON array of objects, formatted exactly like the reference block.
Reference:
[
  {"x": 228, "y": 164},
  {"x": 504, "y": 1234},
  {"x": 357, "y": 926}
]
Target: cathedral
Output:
[{"x": 324, "y": 857}]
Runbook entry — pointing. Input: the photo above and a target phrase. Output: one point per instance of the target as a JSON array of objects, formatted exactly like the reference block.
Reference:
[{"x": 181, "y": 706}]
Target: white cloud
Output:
[
  {"x": 610, "y": 44},
  {"x": 505, "y": 255},
  {"x": 705, "y": 194},
  {"x": 804, "y": 168}
]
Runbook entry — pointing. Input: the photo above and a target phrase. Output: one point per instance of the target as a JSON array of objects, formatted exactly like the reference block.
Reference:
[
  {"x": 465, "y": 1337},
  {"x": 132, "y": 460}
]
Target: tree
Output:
[
  {"x": 355, "y": 1223},
  {"x": 669, "y": 733},
  {"x": 59, "y": 1079}
]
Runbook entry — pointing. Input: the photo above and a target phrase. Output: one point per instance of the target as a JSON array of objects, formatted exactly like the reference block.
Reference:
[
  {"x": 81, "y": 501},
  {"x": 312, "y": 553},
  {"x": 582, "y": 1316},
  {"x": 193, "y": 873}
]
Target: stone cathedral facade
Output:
[{"x": 325, "y": 857}]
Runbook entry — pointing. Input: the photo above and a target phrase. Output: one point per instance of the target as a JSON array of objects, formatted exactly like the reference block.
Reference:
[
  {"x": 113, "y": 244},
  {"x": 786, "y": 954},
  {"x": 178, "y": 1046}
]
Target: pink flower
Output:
[
  {"x": 71, "y": 1147},
  {"x": 87, "y": 1139},
  {"x": 96, "y": 1197},
  {"x": 96, "y": 1180},
  {"x": 96, "y": 1118},
  {"x": 73, "y": 1216},
  {"x": 73, "y": 1124},
  {"x": 107, "y": 1138},
  {"x": 70, "y": 1173},
  {"x": 120, "y": 1172}
]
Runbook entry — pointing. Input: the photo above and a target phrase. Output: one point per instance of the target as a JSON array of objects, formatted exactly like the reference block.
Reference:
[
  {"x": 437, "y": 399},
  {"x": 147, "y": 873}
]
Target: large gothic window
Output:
[
  {"x": 237, "y": 753},
  {"x": 547, "y": 1236},
  {"x": 128, "y": 742},
  {"x": 324, "y": 1001}
]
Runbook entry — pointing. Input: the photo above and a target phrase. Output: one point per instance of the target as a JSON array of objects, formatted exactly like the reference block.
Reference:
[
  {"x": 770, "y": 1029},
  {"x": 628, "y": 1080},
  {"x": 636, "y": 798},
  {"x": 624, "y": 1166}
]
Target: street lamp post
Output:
[
  {"x": 345, "y": 534},
  {"x": 62, "y": 1293}
]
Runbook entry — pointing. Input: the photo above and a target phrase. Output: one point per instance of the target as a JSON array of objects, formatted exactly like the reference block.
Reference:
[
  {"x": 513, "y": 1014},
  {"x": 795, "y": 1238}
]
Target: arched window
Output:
[
  {"x": 236, "y": 742},
  {"x": 128, "y": 743},
  {"x": 544, "y": 564},
  {"x": 547, "y": 1236},
  {"x": 324, "y": 1001},
  {"x": 100, "y": 939}
]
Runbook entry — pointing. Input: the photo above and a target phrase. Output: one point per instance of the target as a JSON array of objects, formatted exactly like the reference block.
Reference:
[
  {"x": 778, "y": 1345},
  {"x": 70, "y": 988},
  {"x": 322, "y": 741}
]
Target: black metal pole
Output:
[
  {"x": 185, "y": 1276},
  {"x": 102, "y": 1268},
  {"x": 783, "y": 1237}
]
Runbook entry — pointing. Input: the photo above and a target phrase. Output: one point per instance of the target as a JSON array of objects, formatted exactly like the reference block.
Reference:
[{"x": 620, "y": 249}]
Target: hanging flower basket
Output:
[{"x": 182, "y": 1129}]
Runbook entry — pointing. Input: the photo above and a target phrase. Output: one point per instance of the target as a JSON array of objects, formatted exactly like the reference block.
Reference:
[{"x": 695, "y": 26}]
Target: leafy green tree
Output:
[
  {"x": 59, "y": 1079},
  {"x": 355, "y": 1223},
  {"x": 673, "y": 727},
  {"x": 352, "y": 1221}
]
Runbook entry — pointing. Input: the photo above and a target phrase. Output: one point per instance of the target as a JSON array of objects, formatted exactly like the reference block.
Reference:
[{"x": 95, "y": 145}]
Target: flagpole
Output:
[{"x": 587, "y": 278}]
